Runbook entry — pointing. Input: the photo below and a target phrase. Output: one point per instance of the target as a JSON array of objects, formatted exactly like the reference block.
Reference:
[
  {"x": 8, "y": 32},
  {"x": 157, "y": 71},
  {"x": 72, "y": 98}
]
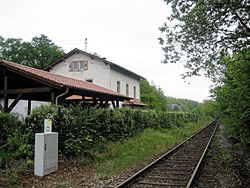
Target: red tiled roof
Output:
[{"x": 57, "y": 80}]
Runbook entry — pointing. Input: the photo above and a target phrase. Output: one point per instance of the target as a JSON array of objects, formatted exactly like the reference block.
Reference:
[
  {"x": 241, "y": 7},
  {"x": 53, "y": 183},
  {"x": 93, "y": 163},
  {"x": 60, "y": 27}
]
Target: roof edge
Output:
[{"x": 76, "y": 50}]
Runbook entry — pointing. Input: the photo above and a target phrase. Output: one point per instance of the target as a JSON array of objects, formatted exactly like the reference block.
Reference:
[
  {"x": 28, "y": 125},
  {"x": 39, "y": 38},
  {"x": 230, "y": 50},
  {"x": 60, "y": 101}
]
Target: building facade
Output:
[
  {"x": 81, "y": 65},
  {"x": 85, "y": 66}
]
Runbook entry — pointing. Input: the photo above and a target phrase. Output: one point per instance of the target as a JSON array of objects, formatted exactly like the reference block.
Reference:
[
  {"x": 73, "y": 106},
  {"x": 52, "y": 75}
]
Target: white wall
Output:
[
  {"x": 97, "y": 70},
  {"x": 100, "y": 72},
  {"x": 21, "y": 107},
  {"x": 124, "y": 79}
]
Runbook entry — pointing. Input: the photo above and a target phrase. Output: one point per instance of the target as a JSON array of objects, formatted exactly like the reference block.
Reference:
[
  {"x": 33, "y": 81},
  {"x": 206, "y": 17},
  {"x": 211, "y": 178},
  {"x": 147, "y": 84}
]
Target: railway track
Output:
[{"x": 177, "y": 167}]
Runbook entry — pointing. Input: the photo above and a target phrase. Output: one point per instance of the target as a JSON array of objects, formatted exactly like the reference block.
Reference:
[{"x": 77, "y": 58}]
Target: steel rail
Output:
[
  {"x": 201, "y": 158},
  {"x": 134, "y": 177}
]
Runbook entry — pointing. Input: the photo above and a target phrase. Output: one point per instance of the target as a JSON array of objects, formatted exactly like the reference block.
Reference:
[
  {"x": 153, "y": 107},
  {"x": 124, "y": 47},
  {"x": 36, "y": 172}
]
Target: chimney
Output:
[{"x": 86, "y": 42}]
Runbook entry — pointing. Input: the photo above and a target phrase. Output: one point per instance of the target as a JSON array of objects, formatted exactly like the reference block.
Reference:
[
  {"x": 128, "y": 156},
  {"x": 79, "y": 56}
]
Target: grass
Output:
[{"x": 121, "y": 156}]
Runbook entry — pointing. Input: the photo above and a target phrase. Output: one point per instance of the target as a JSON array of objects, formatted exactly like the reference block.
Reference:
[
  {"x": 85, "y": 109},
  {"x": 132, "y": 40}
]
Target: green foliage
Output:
[
  {"x": 185, "y": 105},
  {"x": 3, "y": 159},
  {"x": 209, "y": 108},
  {"x": 246, "y": 167},
  {"x": 155, "y": 99},
  {"x": 153, "y": 96},
  {"x": 204, "y": 31},
  {"x": 233, "y": 97},
  {"x": 15, "y": 140},
  {"x": 225, "y": 156},
  {"x": 9, "y": 123},
  {"x": 39, "y": 53},
  {"x": 82, "y": 131},
  {"x": 10, "y": 177},
  {"x": 18, "y": 145},
  {"x": 119, "y": 156}
]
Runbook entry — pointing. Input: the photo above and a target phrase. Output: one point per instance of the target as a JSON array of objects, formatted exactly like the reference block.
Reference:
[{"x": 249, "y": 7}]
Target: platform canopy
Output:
[{"x": 20, "y": 82}]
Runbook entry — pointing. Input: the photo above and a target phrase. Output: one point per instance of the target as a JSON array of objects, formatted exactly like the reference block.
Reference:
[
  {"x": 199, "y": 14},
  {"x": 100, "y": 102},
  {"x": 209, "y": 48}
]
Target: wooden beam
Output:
[
  {"x": 94, "y": 101},
  {"x": 35, "y": 78},
  {"x": 3, "y": 71},
  {"x": 29, "y": 107},
  {"x": 1, "y": 107},
  {"x": 13, "y": 104},
  {"x": 25, "y": 90},
  {"x": 6, "y": 100},
  {"x": 81, "y": 99}
]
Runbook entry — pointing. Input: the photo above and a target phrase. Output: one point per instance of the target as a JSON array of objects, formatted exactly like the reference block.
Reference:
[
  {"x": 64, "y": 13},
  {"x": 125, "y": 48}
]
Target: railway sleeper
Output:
[
  {"x": 161, "y": 184},
  {"x": 175, "y": 166},
  {"x": 173, "y": 173},
  {"x": 173, "y": 178},
  {"x": 170, "y": 180},
  {"x": 172, "y": 170},
  {"x": 186, "y": 152},
  {"x": 181, "y": 162},
  {"x": 185, "y": 157},
  {"x": 195, "y": 153}
]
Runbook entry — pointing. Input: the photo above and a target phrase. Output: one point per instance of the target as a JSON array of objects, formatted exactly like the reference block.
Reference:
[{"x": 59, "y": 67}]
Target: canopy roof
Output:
[{"x": 34, "y": 84}]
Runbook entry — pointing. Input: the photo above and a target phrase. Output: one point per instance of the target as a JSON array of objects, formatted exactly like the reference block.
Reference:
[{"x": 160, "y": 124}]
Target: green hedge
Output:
[
  {"x": 14, "y": 139},
  {"x": 81, "y": 129}
]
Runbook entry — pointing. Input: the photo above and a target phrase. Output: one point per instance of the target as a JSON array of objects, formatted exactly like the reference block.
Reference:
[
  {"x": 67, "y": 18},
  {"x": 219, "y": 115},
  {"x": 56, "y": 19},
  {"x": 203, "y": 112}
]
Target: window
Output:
[
  {"x": 127, "y": 90},
  {"x": 81, "y": 65},
  {"x": 118, "y": 87},
  {"x": 75, "y": 65},
  {"x": 78, "y": 65},
  {"x": 134, "y": 92}
]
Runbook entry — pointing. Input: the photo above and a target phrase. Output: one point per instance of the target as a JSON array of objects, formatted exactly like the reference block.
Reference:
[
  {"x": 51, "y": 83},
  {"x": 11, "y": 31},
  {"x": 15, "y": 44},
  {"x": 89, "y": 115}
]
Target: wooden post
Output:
[
  {"x": 94, "y": 101},
  {"x": 113, "y": 103},
  {"x": 29, "y": 107},
  {"x": 105, "y": 103},
  {"x": 6, "y": 100},
  {"x": 1, "y": 107},
  {"x": 101, "y": 103},
  {"x": 117, "y": 104},
  {"x": 53, "y": 97}
]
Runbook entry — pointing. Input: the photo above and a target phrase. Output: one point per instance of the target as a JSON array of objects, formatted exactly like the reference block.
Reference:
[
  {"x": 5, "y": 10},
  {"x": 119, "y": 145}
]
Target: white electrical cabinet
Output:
[{"x": 46, "y": 153}]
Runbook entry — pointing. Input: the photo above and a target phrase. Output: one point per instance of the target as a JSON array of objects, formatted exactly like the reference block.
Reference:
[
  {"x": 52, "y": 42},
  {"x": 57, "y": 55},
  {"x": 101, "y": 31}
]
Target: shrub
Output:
[
  {"x": 9, "y": 123},
  {"x": 14, "y": 140},
  {"x": 81, "y": 129}
]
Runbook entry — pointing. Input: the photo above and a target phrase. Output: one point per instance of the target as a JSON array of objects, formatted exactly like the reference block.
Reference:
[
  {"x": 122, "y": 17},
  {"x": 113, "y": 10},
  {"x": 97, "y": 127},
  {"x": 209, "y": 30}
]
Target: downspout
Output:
[{"x": 65, "y": 93}]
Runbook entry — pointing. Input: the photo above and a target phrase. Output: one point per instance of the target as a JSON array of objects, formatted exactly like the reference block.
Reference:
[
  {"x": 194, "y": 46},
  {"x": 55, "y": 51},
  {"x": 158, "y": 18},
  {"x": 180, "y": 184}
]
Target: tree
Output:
[
  {"x": 233, "y": 97},
  {"x": 38, "y": 53},
  {"x": 153, "y": 96},
  {"x": 182, "y": 104},
  {"x": 209, "y": 108},
  {"x": 204, "y": 31}
]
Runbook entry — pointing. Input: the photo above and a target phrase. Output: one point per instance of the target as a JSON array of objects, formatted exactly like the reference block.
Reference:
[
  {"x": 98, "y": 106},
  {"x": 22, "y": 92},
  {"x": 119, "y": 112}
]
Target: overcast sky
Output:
[{"x": 123, "y": 31}]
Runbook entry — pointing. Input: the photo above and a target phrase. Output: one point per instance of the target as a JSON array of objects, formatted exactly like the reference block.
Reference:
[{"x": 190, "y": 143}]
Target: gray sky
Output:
[{"x": 123, "y": 31}]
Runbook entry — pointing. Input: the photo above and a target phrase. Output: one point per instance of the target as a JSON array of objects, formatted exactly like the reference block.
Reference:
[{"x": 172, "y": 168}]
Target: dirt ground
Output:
[
  {"x": 70, "y": 174},
  {"x": 223, "y": 168}
]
